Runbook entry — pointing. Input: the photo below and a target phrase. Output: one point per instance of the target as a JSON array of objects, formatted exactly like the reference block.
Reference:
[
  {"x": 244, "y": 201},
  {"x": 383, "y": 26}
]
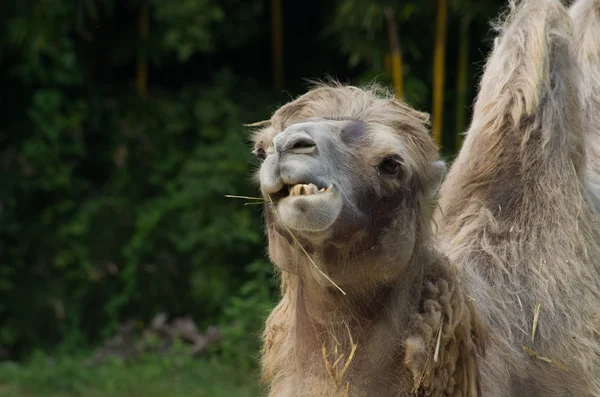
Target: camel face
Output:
[
  {"x": 328, "y": 177},
  {"x": 346, "y": 172}
]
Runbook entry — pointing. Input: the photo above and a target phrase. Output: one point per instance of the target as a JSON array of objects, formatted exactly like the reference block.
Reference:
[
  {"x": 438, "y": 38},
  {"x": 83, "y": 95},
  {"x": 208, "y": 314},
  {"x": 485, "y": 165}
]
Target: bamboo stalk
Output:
[
  {"x": 396, "y": 53},
  {"x": 142, "y": 63},
  {"x": 277, "y": 36},
  {"x": 461, "y": 83},
  {"x": 439, "y": 58}
]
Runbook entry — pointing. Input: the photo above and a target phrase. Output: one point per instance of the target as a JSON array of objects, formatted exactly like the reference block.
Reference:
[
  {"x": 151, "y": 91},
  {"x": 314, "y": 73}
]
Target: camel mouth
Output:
[
  {"x": 302, "y": 189},
  {"x": 308, "y": 207}
]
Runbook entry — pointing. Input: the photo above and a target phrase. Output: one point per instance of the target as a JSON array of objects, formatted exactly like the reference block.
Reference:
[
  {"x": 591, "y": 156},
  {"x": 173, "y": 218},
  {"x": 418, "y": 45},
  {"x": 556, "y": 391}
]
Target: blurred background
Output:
[{"x": 124, "y": 270}]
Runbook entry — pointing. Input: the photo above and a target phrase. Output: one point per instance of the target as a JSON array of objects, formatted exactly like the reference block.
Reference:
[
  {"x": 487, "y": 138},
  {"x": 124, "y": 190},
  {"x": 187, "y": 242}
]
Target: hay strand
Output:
[
  {"x": 244, "y": 197},
  {"x": 351, "y": 356},
  {"x": 255, "y": 200},
  {"x": 436, "y": 355},
  {"x": 536, "y": 317},
  {"x": 533, "y": 354},
  {"x": 336, "y": 375}
]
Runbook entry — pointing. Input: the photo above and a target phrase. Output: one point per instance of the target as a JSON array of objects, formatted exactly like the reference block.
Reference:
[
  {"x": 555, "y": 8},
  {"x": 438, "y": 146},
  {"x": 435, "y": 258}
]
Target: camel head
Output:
[{"x": 347, "y": 174}]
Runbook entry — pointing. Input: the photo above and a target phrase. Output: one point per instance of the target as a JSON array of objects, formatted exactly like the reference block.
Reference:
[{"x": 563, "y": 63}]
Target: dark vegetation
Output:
[{"x": 121, "y": 131}]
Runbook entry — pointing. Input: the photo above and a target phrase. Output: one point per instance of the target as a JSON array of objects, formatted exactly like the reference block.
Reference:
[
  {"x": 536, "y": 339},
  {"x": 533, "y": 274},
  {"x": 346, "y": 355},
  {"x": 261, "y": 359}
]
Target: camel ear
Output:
[{"x": 433, "y": 182}]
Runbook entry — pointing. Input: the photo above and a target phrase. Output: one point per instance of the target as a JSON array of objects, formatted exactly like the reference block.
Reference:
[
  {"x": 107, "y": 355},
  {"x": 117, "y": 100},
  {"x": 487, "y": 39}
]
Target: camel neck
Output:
[{"x": 325, "y": 306}]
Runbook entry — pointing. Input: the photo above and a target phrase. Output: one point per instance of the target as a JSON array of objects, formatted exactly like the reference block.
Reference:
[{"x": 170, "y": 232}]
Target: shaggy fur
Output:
[
  {"x": 586, "y": 40},
  {"x": 401, "y": 306},
  {"x": 516, "y": 215}
]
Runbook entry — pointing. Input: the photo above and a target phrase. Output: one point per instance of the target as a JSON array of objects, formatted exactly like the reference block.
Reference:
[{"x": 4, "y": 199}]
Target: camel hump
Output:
[
  {"x": 529, "y": 87},
  {"x": 530, "y": 66},
  {"x": 586, "y": 45}
]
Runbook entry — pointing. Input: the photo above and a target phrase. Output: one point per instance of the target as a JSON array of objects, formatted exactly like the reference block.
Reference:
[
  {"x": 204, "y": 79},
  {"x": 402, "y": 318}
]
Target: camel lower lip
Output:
[{"x": 314, "y": 212}]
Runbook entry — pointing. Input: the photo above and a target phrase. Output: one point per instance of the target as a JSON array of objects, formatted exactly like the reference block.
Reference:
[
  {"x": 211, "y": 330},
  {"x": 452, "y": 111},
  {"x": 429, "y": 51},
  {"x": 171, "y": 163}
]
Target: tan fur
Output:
[
  {"x": 586, "y": 40},
  {"x": 516, "y": 215},
  {"x": 394, "y": 314}
]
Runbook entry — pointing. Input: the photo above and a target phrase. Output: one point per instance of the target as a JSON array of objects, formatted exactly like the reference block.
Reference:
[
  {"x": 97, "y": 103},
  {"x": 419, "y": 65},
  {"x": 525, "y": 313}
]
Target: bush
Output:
[
  {"x": 103, "y": 227},
  {"x": 245, "y": 313}
]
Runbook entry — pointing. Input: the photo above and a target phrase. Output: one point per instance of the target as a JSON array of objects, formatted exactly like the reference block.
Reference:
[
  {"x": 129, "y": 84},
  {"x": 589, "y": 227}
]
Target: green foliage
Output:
[
  {"x": 361, "y": 30},
  {"x": 196, "y": 235},
  {"x": 175, "y": 375},
  {"x": 188, "y": 22},
  {"x": 112, "y": 206},
  {"x": 39, "y": 32},
  {"x": 188, "y": 27},
  {"x": 155, "y": 231},
  {"x": 245, "y": 314}
]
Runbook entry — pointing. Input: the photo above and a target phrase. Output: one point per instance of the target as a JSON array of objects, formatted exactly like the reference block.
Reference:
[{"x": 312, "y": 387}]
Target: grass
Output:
[{"x": 151, "y": 376}]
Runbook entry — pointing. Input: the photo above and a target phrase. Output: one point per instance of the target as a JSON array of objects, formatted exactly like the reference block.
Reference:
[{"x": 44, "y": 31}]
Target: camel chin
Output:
[{"x": 309, "y": 209}]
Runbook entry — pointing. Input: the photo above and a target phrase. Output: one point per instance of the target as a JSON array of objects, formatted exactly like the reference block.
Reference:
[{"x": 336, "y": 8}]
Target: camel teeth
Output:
[
  {"x": 329, "y": 189},
  {"x": 296, "y": 190},
  {"x": 307, "y": 190}
]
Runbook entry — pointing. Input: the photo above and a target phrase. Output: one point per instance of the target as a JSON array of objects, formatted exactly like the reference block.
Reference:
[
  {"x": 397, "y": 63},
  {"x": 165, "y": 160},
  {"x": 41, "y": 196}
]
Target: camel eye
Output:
[
  {"x": 260, "y": 153},
  {"x": 390, "y": 166}
]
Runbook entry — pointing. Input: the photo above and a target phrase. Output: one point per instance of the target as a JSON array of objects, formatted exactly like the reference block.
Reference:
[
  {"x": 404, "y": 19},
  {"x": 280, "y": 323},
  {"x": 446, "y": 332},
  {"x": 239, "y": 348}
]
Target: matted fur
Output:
[
  {"x": 397, "y": 325},
  {"x": 516, "y": 216}
]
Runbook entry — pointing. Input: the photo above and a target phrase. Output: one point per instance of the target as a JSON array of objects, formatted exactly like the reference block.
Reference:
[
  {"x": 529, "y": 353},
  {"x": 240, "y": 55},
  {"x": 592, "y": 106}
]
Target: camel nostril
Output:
[
  {"x": 295, "y": 141},
  {"x": 303, "y": 143}
]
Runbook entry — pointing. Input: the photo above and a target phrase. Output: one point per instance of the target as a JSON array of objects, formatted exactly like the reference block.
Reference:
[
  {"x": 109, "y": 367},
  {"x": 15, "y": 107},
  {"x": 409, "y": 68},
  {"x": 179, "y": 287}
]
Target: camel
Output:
[
  {"x": 503, "y": 299},
  {"x": 517, "y": 211},
  {"x": 369, "y": 306}
]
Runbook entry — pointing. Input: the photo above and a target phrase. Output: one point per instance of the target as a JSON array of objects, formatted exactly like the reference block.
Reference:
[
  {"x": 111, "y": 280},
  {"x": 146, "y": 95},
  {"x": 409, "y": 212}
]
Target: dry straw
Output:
[
  {"x": 545, "y": 359},
  {"x": 436, "y": 355},
  {"x": 254, "y": 200},
  {"x": 332, "y": 368},
  {"x": 536, "y": 317}
]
